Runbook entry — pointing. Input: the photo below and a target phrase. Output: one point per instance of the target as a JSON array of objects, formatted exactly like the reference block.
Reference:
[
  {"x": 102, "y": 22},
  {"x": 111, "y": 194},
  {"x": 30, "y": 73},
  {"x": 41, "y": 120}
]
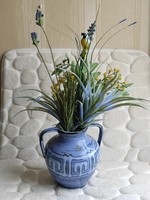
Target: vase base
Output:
[{"x": 71, "y": 186}]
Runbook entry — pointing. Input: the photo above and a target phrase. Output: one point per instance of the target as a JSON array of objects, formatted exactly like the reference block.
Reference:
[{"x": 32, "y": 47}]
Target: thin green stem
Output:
[
  {"x": 112, "y": 36},
  {"x": 101, "y": 39},
  {"x": 44, "y": 64},
  {"x": 49, "y": 46}
]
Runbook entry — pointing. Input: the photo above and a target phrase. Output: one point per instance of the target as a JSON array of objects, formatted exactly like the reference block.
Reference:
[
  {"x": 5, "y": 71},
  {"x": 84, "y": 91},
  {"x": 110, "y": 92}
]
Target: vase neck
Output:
[{"x": 72, "y": 135}]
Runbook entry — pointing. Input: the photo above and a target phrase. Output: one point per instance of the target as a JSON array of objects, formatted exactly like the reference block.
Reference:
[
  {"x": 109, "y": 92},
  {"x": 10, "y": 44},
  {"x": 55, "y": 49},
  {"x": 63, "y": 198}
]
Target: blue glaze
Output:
[{"x": 71, "y": 158}]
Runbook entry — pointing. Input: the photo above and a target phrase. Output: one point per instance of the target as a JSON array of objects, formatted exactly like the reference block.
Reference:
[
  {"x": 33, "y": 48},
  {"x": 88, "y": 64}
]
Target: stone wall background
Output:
[{"x": 124, "y": 170}]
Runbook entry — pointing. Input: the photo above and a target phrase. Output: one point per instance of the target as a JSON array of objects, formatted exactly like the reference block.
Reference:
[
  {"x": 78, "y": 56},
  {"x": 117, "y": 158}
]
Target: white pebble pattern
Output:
[{"x": 124, "y": 170}]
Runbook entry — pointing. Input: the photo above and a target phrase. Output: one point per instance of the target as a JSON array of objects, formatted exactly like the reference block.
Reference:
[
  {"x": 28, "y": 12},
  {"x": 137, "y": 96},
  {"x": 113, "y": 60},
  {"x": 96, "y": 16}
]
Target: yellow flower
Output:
[
  {"x": 120, "y": 77},
  {"x": 62, "y": 79},
  {"x": 118, "y": 86},
  {"x": 110, "y": 70},
  {"x": 110, "y": 77},
  {"x": 105, "y": 74},
  {"x": 72, "y": 77},
  {"x": 116, "y": 70},
  {"x": 125, "y": 83},
  {"x": 123, "y": 89},
  {"x": 97, "y": 78},
  {"x": 55, "y": 87}
]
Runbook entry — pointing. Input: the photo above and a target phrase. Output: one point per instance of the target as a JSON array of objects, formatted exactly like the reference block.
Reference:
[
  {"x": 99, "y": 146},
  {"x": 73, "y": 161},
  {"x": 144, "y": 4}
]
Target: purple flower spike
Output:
[
  {"x": 34, "y": 38},
  {"x": 122, "y": 20},
  {"x": 39, "y": 17},
  {"x": 132, "y": 23},
  {"x": 38, "y": 14}
]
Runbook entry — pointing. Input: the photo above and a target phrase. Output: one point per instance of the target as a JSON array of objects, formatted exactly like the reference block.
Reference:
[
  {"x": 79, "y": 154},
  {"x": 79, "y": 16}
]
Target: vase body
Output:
[{"x": 72, "y": 158}]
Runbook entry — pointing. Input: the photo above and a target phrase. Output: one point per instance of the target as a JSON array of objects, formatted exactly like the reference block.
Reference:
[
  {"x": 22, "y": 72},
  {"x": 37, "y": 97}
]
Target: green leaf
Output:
[
  {"x": 93, "y": 66},
  {"x": 96, "y": 74}
]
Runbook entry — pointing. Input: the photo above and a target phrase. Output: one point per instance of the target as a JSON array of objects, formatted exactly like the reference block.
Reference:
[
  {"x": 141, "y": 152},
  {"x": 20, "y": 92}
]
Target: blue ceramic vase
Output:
[{"x": 71, "y": 157}]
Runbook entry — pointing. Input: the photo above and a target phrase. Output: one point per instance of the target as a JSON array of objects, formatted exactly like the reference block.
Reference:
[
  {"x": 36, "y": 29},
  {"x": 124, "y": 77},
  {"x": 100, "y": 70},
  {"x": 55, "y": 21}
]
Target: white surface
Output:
[{"x": 124, "y": 170}]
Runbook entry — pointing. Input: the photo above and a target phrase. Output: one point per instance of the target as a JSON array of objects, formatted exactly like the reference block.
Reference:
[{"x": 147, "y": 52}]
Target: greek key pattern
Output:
[{"x": 71, "y": 166}]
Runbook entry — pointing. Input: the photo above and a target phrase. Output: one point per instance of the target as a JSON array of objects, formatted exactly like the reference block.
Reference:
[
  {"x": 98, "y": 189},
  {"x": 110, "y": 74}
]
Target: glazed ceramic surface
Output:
[{"x": 71, "y": 157}]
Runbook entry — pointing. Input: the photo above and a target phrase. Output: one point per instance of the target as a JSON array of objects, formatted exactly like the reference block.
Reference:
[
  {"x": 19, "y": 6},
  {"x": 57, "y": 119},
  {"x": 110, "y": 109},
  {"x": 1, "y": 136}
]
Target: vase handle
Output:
[
  {"x": 100, "y": 132},
  {"x": 41, "y": 138}
]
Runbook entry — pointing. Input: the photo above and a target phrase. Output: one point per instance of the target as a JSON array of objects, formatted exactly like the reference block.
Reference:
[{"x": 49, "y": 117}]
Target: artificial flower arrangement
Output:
[{"x": 78, "y": 94}]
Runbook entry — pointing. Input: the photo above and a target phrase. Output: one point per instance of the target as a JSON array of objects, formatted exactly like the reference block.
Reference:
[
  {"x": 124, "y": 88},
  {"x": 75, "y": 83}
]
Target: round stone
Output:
[
  {"x": 45, "y": 178},
  {"x": 10, "y": 163},
  {"x": 134, "y": 78},
  {"x": 103, "y": 193},
  {"x": 139, "y": 189},
  {"x": 36, "y": 196},
  {"x": 142, "y": 92},
  {"x": 127, "y": 197},
  {"x": 31, "y": 127},
  {"x": 26, "y": 62},
  {"x": 36, "y": 114},
  {"x": 25, "y": 141},
  {"x": 144, "y": 155},
  {"x": 5, "y": 115},
  {"x": 131, "y": 155},
  {"x": 100, "y": 182},
  {"x": 139, "y": 113},
  {"x": 116, "y": 174},
  {"x": 25, "y": 91},
  {"x": 123, "y": 57},
  {"x": 20, "y": 118},
  {"x": 142, "y": 179},
  {"x": 26, "y": 52},
  {"x": 140, "y": 167},
  {"x": 52, "y": 119},
  {"x": 29, "y": 176},
  {"x": 47, "y": 57},
  {"x": 65, "y": 192},
  {"x": 104, "y": 56},
  {"x": 45, "y": 87},
  {"x": 137, "y": 125},
  {"x": 23, "y": 188},
  {"x": 7, "y": 98},
  {"x": 109, "y": 165},
  {"x": 44, "y": 189},
  {"x": 10, "y": 195},
  {"x": 123, "y": 68},
  {"x": 10, "y": 55},
  {"x": 8, "y": 152},
  {"x": 112, "y": 154},
  {"x": 141, "y": 140},
  {"x": 3, "y": 140},
  {"x": 29, "y": 77},
  {"x": 116, "y": 118},
  {"x": 11, "y": 131},
  {"x": 27, "y": 154},
  {"x": 35, "y": 164},
  {"x": 77, "y": 197},
  {"x": 42, "y": 72},
  {"x": 59, "y": 58},
  {"x": 143, "y": 61},
  {"x": 116, "y": 138},
  {"x": 6, "y": 187},
  {"x": 11, "y": 79},
  {"x": 11, "y": 175}
]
